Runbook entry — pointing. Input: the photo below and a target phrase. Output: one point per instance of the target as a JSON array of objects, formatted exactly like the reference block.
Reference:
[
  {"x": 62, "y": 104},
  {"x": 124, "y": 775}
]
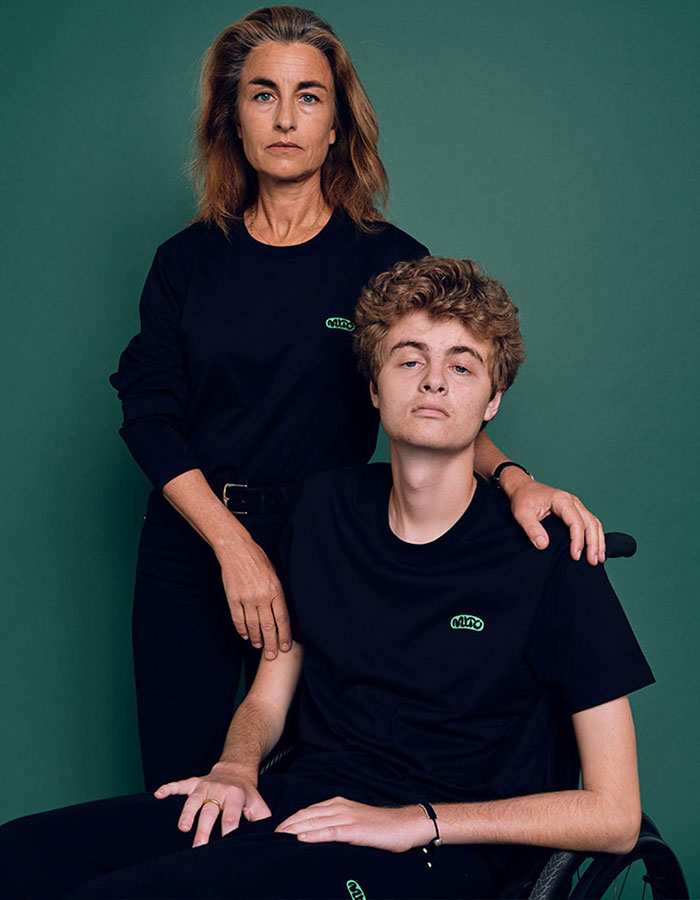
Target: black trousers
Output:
[
  {"x": 187, "y": 653},
  {"x": 130, "y": 847}
]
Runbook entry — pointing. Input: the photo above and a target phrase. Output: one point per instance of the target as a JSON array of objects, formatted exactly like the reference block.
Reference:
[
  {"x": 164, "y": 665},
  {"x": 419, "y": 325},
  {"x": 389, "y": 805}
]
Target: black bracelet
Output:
[
  {"x": 496, "y": 477},
  {"x": 437, "y": 840}
]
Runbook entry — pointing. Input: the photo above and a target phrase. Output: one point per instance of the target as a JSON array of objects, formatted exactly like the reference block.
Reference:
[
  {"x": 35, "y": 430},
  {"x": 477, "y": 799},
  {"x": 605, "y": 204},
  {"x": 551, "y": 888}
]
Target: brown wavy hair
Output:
[
  {"x": 446, "y": 289},
  {"x": 353, "y": 179}
]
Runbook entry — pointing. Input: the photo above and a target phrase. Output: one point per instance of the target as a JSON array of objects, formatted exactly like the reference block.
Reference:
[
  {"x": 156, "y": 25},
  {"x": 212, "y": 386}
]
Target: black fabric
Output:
[
  {"x": 243, "y": 366},
  {"x": 187, "y": 652},
  {"x": 131, "y": 847},
  {"x": 402, "y": 702},
  {"x": 236, "y": 372}
]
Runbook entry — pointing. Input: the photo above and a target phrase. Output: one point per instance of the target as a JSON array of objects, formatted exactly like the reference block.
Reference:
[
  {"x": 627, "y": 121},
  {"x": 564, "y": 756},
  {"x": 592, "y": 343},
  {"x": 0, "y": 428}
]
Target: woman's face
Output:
[{"x": 286, "y": 110}]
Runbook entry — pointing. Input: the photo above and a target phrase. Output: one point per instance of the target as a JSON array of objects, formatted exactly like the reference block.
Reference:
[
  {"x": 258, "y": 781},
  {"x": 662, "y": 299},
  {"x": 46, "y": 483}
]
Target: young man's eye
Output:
[
  {"x": 410, "y": 363},
  {"x": 461, "y": 370}
]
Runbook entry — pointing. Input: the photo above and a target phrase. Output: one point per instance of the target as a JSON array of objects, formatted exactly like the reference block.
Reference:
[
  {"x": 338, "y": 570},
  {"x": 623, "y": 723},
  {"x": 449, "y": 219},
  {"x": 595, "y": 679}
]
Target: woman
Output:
[{"x": 245, "y": 338}]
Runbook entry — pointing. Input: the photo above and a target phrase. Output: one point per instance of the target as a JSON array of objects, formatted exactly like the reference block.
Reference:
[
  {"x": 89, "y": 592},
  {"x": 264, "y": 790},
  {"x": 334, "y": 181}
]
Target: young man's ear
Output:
[
  {"x": 374, "y": 393},
  {"x": 493, "y": 406}
]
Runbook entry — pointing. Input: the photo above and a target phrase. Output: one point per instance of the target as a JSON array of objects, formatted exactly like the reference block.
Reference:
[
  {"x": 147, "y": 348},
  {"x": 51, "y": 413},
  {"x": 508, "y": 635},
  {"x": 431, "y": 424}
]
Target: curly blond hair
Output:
[{"x": 445, "y": 288}]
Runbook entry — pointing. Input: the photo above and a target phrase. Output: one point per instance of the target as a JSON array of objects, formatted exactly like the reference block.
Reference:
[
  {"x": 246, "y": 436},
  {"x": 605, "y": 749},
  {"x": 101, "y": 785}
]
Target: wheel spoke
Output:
[{"x": 624, "y": 880}]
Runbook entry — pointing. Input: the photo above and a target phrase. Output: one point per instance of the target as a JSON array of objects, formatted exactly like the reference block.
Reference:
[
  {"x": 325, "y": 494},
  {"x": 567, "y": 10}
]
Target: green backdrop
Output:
[{"x": 554, "y": 142}]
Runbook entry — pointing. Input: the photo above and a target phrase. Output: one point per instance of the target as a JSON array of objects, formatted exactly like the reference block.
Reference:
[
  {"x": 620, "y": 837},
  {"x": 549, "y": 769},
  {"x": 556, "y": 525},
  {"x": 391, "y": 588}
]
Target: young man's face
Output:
[{"x": 434, "y": 390}]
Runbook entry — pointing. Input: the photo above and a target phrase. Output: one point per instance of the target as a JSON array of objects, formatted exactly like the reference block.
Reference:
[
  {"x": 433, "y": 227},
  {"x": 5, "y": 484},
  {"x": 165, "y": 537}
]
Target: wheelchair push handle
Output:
[{"x": 618, "y": 544}]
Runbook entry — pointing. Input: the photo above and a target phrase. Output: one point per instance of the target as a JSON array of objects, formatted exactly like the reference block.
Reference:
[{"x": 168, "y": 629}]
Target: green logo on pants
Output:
[{"x": 355, "y": 890}]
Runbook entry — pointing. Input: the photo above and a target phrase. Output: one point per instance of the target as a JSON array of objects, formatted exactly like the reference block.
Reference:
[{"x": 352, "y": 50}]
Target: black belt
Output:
[{"x": 258, "y": 499}]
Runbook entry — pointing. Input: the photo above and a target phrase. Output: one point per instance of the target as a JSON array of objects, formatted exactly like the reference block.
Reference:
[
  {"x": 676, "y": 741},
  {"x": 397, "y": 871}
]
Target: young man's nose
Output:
[{"x": 434, "y": 383}]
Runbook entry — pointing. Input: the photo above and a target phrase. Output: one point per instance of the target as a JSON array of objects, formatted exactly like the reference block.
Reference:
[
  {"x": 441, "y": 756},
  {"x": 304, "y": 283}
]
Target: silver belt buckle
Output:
[{"x": 232, "y": 484}]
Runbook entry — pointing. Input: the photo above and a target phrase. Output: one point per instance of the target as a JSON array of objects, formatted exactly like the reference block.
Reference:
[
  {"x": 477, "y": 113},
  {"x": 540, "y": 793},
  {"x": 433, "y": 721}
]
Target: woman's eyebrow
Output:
[{"x": 303, "y": 85}]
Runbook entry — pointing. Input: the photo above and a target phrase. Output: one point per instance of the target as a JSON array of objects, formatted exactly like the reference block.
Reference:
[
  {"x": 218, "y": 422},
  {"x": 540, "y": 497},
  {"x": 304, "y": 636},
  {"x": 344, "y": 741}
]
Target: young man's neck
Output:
[{"x": 431, "y": 491}]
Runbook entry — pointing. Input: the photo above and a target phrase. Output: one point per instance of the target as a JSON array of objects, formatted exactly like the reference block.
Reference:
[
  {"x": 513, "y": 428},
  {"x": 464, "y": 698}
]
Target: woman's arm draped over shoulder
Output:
[{"x": 531, "y": 501}]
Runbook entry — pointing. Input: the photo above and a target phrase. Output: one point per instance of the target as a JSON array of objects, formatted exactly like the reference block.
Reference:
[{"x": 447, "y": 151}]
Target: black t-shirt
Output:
[
  {"x": 446, "y": 670},
  {"x": 243, "y": 366}
]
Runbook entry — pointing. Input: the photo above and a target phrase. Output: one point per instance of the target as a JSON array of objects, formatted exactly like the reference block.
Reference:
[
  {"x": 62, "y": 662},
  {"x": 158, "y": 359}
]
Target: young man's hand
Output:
[
  {"x": 225, "y": 791},
  {"x": 531, "y": 501},
  {"x": 345, "y": 821}
]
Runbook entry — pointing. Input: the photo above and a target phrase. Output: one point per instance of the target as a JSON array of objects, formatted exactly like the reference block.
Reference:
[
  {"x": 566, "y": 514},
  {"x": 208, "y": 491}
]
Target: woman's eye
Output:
[
  {"x": 309, "y": 98},
  {"x": 263, "y": 95}
]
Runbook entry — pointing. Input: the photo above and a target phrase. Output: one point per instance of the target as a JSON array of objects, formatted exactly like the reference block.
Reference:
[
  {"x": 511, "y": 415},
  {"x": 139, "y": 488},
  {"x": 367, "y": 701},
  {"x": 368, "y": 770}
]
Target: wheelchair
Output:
[
  {"x": 650, "y": 865},
  {"x": 575, "y": 875}
]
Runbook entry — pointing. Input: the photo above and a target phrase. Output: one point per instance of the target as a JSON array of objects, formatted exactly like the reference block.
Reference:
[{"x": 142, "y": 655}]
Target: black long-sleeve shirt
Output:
[{"x": 243, "y": 366}]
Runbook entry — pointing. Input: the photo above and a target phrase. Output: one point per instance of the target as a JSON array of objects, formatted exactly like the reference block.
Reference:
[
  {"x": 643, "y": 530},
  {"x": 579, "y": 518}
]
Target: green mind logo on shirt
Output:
[
  {"x": 340, "y": 324},
  {"x": 355, "y": 890},
  {"x": 472, "y": 623}
]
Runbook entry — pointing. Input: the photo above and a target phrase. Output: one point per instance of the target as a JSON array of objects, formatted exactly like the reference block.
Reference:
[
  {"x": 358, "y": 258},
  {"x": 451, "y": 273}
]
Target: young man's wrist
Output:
[
  {"x": 229, "y": 767},
  {"x": 421, "y": 829}
]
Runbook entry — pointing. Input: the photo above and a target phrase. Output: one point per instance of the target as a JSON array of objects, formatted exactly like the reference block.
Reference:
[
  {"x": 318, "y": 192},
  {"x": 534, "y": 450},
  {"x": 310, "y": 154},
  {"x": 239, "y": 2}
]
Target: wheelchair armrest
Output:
[{"x": 283, "y": 752}]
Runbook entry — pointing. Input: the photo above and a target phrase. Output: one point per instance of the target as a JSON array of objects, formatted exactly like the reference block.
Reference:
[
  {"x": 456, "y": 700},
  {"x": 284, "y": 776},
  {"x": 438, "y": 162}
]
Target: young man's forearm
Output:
[
  {"x": 255, "y": 729},
  {"x": 573, "y": 820},
  {"x": 258, "y": 722}
]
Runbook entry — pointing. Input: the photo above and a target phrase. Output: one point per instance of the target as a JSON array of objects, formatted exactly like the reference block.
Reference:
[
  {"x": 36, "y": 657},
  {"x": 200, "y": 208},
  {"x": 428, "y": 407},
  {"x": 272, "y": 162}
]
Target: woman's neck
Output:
[{"x": 287, "y": 212}]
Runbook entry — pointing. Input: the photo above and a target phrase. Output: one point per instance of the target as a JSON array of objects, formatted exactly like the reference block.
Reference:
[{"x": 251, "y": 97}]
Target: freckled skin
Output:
[
  {"x": 433, "y": 397},
  {"x": 286, "y": 112}
]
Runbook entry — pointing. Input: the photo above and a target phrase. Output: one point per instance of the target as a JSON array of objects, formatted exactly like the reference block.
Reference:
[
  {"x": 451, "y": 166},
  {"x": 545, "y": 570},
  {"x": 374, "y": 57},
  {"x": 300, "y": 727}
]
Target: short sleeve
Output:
[
  {"x": 581, "y": 645},
  {"x": 152, "y": 378}
]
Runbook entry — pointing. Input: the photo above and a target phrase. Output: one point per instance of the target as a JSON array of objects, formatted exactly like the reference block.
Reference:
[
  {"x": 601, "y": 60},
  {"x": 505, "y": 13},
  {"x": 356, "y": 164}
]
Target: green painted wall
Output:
[{"x": 554, "y": 142}]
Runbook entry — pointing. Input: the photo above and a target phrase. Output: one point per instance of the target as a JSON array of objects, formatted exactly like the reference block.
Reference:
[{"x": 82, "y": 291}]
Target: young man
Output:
[{"x": 453, "y": 676}]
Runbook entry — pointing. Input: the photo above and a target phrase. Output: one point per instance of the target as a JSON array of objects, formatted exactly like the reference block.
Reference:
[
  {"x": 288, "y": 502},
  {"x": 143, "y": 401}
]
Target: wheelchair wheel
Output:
[{"x": 651, "y": 868}]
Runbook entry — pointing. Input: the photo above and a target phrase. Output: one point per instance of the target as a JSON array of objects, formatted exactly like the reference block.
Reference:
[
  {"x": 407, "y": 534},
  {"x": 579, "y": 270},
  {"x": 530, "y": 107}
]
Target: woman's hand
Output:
[
  {"x": 342, "y": 820},
  {"x": 255, "y": 596},
  {"x": 532, "y": 501},
  {"x": 253, "y": 590},
  {"x": 234, "y": 793}
]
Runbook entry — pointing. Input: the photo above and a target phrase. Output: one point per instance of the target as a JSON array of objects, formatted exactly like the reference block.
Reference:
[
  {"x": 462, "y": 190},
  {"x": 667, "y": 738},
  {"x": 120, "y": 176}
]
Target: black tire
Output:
[
  {"x": 663, "y": 872},
  {"x": 554, "y": 881}
]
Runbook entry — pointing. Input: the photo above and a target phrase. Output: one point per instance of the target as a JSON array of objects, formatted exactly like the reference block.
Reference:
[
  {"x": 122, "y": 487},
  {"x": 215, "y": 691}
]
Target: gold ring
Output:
[{"x": 213, "y": 800}]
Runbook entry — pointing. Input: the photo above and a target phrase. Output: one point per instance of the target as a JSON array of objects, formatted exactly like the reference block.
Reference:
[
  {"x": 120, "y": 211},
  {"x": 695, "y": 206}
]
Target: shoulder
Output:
[
  {"x": 344, "y": 481},
  {"x": 394, "y": 239},
  {"x": 185, "y": 244},
  {"x": 499, "y": 527},
  {"x": 385, "y": 244},
  {"x": 175, "y": 257},
  {"x": 393, "y": 245},
  {"x": 343, "y": 488}
]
